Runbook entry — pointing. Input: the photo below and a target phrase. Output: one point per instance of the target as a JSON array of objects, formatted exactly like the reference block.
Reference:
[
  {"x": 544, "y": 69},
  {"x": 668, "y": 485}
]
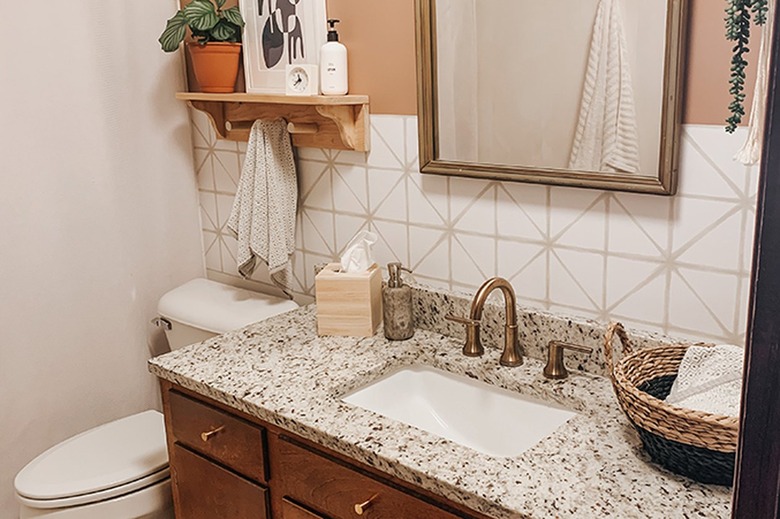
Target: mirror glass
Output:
[{"x": 572, "y": 92}]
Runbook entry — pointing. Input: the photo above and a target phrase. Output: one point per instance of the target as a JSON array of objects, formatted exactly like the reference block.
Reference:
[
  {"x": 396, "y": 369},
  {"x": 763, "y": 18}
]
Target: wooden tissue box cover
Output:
[{"x": 348, "y": 304}]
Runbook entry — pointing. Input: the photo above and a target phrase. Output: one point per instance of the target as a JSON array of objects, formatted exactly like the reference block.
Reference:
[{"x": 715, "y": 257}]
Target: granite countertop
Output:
[{"x": 280, "y": 371}]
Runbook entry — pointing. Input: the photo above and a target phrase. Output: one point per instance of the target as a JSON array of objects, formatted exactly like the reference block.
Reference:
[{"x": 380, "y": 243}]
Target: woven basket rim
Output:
[{"x": 710, "y": 431}]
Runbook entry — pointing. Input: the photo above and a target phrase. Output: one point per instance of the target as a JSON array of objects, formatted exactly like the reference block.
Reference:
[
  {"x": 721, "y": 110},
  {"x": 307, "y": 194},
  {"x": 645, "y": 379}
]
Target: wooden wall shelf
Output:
[{"x": 337, "y": 122}]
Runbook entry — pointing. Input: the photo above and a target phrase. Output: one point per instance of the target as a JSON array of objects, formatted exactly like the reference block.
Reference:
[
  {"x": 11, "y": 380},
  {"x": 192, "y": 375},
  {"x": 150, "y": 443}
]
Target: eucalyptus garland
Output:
[{"x": 738, "y": 16}]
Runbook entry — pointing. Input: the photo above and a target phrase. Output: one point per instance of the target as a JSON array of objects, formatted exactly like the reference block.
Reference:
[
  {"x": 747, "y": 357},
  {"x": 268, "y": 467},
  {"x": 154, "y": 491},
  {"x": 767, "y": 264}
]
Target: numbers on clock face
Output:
[{"x": 299, "y": 79}]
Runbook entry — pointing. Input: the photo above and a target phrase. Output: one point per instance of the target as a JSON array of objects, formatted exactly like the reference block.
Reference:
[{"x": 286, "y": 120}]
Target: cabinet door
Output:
[
  {"x": 342, "y": 492},
  {"x": 207, "y": 491}
]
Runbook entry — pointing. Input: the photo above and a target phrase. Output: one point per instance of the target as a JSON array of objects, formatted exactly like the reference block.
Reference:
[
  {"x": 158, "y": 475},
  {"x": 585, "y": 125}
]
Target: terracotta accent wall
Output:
[
  {"x": 380, "y": 38},
  {"x": 379, "y": 35},
  {"x": 709, "y": 61}
]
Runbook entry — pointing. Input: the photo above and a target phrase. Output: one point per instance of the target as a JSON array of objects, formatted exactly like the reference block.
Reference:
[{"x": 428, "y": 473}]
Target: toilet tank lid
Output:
[
  {"x": 105, "y": 457},
  {"x": 218, "y": 308}
]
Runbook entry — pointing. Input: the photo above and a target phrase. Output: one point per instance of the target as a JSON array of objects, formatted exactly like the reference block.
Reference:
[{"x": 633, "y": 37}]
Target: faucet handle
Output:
[
  {"x": 462, "y": 320},
  {"x": 555, "y": 368},
  {"x": 473, "y": 346}
]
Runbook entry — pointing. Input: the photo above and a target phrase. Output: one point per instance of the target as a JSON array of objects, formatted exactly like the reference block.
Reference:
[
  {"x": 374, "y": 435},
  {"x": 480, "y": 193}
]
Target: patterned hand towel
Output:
[
  {"x": 607, "y": 138},
  {"x": 709, "y": 379},
  {"x": 263, "y": 215}
]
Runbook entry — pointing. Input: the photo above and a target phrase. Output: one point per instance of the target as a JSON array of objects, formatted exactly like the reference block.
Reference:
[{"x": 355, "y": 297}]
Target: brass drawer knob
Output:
[
  {"x": 360, "y": 508},
  {"x": 206, "y": 436}
]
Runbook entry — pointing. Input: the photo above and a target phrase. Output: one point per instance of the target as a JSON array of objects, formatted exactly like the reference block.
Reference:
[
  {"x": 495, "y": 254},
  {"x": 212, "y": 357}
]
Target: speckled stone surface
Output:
[
  {"x": 280, "y": 371},
  {"x": 535, "y": 328}
]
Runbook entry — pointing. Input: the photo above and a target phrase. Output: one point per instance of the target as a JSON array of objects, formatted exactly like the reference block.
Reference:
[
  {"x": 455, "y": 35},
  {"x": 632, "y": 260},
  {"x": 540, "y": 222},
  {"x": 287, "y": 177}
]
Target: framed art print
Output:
[{"x": 280, "y": 33}]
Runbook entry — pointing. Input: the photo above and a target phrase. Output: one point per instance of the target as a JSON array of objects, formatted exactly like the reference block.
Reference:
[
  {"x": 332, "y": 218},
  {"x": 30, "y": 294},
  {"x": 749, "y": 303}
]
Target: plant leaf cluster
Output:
[
  {"x": 738, "y": 22},
  {"x": 207, "y": 20}
]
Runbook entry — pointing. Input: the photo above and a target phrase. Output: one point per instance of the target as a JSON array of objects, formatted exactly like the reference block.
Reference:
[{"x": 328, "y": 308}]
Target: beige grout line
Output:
[
  {"x": 699, "y": 149},
  {"x": 706, "y": 306},
  {"x": 544, "y": 243},
  {"x": 604, "y": 273}
]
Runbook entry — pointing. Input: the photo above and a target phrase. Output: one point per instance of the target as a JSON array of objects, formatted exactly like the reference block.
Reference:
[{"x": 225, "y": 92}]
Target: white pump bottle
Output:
[{"x": 333, "y": 64}]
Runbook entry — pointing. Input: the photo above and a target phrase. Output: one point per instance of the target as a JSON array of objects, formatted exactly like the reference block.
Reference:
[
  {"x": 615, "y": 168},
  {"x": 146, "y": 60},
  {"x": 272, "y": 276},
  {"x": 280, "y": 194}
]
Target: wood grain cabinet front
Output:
[
  {"x": 292, "y": 510},
  {"x": 339, "y": 491},
  {"x": 207, "y": 491},
  {"x": 218, "y": 435},
  {"x": 227, "y": 465}
]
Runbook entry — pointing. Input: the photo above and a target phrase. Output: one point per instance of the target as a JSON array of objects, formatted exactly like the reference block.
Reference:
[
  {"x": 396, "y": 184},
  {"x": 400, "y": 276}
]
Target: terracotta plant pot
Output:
[{"x": 215, "y": 65}]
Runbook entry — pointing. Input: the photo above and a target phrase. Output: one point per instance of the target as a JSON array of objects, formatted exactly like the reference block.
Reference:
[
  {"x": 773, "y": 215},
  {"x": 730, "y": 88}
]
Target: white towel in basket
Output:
[
  {"x": 263, "y": 216},
  {"x": 710, "y": 380}
]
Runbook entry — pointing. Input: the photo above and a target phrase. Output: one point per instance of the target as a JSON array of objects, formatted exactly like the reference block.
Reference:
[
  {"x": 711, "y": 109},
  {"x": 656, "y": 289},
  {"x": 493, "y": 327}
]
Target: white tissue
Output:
[{"x": 358, "y": 256}]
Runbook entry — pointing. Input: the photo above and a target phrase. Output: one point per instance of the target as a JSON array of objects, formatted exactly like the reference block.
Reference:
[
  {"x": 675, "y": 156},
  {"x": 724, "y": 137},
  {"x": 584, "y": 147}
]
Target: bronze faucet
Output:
[{"x": 511, "y": 355}]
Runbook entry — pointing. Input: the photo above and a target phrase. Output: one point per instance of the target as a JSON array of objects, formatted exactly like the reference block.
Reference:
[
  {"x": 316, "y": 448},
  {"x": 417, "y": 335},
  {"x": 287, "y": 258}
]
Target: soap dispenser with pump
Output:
[
  {"x": 397, "y": 305},
  {"x": 333, "y": 64}
]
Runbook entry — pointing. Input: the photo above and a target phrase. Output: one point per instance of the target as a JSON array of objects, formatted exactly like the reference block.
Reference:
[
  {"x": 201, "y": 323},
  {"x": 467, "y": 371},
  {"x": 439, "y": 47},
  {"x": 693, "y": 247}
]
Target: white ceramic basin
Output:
[{"x": 483, "y": 417}]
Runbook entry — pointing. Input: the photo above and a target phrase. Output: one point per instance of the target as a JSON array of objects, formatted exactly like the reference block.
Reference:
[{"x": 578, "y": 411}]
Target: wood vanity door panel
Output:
[
  {"x": 229, "y": 440},
  {"x": 332, "y": 488},
  {"x": 207, "y": 491}
]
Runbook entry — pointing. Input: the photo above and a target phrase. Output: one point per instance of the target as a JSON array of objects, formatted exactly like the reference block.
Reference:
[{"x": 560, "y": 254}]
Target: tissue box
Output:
[{"x": 348, "y": 303}]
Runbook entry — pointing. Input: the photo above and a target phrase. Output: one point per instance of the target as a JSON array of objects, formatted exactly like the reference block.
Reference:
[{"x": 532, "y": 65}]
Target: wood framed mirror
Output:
[{"x": 585, "y": 94}]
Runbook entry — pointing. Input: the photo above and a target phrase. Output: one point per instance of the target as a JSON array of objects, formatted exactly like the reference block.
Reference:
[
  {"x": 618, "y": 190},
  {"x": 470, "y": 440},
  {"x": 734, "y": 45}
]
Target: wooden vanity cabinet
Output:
[
  {"x": 225, "y": 464},
  {"x": 338, "y": 489}
]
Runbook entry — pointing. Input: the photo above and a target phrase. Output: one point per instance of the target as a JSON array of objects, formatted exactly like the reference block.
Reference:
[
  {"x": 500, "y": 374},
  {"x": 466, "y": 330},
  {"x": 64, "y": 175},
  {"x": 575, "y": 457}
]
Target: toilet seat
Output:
[{"x": 110, "y": 460}]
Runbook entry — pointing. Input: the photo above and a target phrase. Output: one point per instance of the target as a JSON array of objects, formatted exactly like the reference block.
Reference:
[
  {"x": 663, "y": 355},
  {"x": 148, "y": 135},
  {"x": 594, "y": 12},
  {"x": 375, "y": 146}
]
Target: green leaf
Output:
[
  {"x": 233, "y": 15},
  {"x": 221, "y": 3},
  {"x": 174, "y": 33},
  {"x": 224, "y": 31},
  {"x": 201, "y": 15},
  {"x": 202, "y": 37}
]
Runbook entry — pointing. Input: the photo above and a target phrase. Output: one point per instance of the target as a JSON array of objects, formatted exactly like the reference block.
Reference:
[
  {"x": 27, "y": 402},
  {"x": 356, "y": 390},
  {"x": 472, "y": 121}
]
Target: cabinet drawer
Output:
[
  {"x": 292, "y": 510},
  {"x": 338, "y": 491},
  {"x": 207, "y": 491},
  {"x": 218, "y": 435}
]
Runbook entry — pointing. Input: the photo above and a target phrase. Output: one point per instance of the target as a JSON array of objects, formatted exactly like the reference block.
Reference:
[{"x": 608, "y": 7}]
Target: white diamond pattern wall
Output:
[{"x": 676, "y": 265}]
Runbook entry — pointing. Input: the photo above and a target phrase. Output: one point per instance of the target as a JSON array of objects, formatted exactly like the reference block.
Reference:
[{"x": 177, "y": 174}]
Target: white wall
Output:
[
  {"x": 678, "y": 265},
  {"x": 98, "y": 216}
]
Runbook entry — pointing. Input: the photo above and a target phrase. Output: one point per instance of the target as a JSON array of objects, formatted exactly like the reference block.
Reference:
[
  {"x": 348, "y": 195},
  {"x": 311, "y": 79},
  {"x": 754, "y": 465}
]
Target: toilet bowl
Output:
[{"x": 119, "y": 470}]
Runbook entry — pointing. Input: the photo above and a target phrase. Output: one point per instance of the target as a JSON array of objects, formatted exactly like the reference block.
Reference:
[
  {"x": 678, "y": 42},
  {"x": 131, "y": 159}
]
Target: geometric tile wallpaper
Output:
[{"x": 679, "y": 265}]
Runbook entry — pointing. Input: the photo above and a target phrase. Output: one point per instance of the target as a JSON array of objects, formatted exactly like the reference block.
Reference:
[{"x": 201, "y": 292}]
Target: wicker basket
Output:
[{"x": 695, "y": 444}]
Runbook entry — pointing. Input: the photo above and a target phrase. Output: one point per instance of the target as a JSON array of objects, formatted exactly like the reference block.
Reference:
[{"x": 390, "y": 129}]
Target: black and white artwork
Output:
[
  {"x": 282, "y": 31},
  {"x": 279, "y": 33}
]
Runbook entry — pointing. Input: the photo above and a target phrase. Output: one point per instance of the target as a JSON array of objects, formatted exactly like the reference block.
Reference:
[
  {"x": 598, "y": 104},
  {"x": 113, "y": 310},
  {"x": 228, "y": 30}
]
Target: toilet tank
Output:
[{"x": 201, "y": 309}]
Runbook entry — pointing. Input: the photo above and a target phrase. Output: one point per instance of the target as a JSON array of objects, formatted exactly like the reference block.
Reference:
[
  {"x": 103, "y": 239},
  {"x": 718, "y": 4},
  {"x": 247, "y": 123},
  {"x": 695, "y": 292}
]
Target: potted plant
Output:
[{"x": 217, "y": 46}]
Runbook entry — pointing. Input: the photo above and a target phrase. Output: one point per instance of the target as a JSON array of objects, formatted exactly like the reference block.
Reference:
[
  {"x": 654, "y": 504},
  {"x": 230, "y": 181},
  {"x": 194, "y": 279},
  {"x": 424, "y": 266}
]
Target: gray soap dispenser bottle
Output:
[{"x": 397, "y": 305}]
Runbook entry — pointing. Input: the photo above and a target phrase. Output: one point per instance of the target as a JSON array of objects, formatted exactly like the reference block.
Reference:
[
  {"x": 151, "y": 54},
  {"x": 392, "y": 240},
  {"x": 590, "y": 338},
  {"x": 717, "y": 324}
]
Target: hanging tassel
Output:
[{"x": 750, "y": 153}]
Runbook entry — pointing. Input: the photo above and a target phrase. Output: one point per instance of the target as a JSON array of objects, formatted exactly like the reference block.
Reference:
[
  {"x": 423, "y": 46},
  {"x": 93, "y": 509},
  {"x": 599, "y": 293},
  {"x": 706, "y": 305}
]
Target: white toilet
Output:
[{"x": 119, "y": 470}]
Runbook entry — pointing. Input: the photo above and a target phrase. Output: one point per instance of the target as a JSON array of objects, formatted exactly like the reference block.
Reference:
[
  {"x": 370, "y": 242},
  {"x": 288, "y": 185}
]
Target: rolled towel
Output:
[{"x": 710, "y": 380}]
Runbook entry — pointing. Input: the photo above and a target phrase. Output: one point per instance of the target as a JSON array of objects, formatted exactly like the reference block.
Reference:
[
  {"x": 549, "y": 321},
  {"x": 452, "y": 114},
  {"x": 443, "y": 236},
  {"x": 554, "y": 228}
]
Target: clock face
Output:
[
  {"x": 298, "y": 79},
  {"x": 302, "y": 79}
]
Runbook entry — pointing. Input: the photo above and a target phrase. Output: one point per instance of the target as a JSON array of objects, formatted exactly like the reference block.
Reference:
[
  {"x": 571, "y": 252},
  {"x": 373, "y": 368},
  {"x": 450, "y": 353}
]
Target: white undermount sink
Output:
[{"x": 483, "y": 417}]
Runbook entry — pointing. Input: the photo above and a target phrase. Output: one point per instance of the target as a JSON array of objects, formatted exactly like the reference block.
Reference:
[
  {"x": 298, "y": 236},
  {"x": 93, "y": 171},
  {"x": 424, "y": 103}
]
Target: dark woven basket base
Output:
[{"x": 697, "y": 463}]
